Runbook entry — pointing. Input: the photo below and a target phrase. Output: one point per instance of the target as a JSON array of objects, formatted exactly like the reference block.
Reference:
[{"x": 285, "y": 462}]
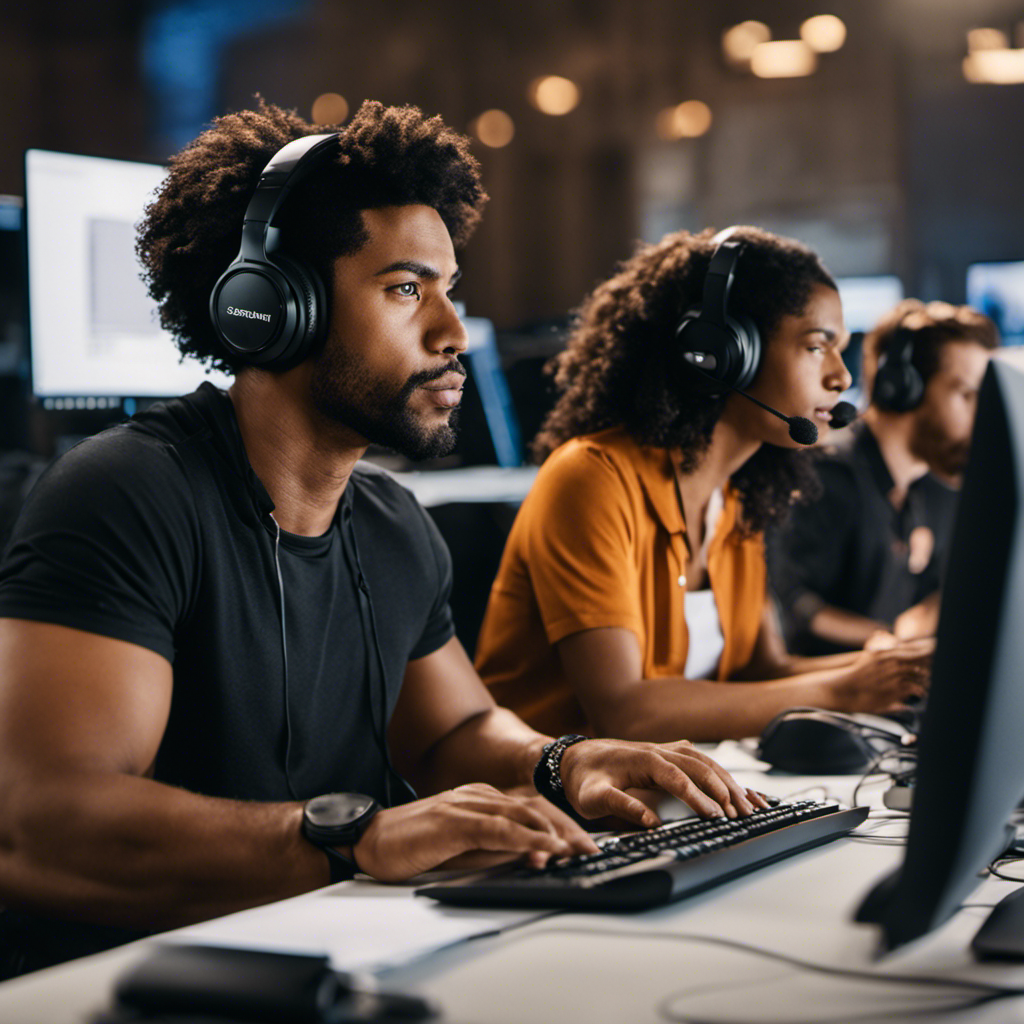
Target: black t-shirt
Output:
[
  {"x": 158, "y": 532},
  {"x": 854, "y": 550}
]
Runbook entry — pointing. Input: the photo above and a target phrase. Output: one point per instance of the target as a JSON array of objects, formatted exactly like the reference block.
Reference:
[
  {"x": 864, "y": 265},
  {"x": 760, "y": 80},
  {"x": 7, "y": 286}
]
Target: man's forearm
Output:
[
  {"x": 127, "y": 851},
  {"x": 495, "y": 746}
]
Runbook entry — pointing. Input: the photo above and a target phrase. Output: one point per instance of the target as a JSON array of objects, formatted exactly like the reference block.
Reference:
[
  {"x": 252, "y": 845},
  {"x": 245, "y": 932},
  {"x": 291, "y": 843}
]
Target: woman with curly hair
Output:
[{"x": 632, "y": 596}]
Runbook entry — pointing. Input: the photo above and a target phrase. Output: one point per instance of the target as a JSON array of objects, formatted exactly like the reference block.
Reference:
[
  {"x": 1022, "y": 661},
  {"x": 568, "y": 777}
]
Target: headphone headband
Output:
[
  {"x": 287, "y": 167},
  {"x": 269, "y": 310}
]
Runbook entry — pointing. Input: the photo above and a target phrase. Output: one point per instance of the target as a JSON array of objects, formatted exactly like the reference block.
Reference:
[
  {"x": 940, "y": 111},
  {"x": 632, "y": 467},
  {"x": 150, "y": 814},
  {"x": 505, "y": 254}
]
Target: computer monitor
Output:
[
  {"x": 497, "y": 439},
  {"x": 94, "y": 335},
  {"x": 867, "y": 299},
  {"x": 970, "y": 770},
  {"x": 997, "y": 290},
  {"x": 12, "y": 287}
]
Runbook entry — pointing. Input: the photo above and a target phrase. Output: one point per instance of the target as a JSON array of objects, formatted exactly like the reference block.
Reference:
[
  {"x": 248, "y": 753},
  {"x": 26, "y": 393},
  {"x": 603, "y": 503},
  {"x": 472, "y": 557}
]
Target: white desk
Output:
[
  {"x": 469, "y": 484},
  {"x": 637, "y": 969}
]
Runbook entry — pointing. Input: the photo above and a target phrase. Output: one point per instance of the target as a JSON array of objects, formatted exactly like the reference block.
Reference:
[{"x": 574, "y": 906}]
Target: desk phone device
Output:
[{"x": 635, "y": 870}]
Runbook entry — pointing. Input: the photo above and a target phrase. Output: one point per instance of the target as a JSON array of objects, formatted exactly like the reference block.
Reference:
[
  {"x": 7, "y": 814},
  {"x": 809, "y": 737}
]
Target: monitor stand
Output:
[{"x": 1001, "y": 937}]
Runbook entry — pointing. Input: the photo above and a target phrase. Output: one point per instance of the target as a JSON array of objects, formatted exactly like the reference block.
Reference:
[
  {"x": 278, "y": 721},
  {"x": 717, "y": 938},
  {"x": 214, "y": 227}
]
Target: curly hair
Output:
[
  {"x": 388, "y": 156},
  {"x": 620, "y": 369},
  {"x": 933, "y": 325}
]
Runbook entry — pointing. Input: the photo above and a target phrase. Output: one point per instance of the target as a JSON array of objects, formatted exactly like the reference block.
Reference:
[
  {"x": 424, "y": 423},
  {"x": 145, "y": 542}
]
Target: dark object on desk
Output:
[
  {"x": 970, "y": 764},
  {"x": 809, "y": 741},
  {"x": 1001, "y": 937},
  {"x": 636, "y": 870},
  {"x": 193, "y": 983}
]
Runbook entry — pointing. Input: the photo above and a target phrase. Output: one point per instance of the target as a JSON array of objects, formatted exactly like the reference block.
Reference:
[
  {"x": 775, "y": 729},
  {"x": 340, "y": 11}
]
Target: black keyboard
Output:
[{"x": 643, "y": 869}]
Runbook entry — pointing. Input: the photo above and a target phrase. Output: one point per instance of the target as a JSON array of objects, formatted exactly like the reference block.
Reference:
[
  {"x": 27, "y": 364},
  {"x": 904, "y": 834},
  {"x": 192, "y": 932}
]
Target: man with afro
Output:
[{"x": 226, "y": 652}]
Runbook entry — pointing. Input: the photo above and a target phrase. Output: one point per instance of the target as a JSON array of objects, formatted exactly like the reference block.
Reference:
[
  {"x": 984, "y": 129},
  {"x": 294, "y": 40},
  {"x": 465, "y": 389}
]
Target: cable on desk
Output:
[
  {"x": 898, "y": 774},
  {"x": 985, "y": 988},
  {"x": 994, "y": 865},
  {"x": 986, "y": 992}
]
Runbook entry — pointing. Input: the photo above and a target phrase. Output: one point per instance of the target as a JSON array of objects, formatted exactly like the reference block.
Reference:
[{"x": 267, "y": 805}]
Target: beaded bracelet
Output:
[{"x": 547, "y": 775}]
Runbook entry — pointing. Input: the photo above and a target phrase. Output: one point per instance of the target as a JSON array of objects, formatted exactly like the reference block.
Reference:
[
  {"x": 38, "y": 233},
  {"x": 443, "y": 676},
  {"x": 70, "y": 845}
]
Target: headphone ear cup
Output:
[
  {"x": 745, "y": 350},
  {"x": 312, "y": 312},
  {"x": 897, "y": 388},
  {"x": 696, "y": 334}
]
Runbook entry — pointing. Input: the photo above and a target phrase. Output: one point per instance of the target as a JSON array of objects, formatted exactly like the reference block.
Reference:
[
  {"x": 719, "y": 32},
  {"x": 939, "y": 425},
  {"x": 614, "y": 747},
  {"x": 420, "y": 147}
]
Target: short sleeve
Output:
[
  {"x": 580, "y": 528},
  {"x": 106, "y": 542},
  {"x": 440, "y": 626}
]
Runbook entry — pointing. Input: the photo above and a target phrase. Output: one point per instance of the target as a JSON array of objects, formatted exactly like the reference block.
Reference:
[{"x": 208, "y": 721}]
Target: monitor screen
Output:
[
  {"x": 970, "y": 770},
  {"x": 12, "y": 287},
  {"x": 95, "y": 336},
  {"x": 997, "y": 290},
  {"x": 487, "y": 379},
  {"x": 867, "y": 299}
]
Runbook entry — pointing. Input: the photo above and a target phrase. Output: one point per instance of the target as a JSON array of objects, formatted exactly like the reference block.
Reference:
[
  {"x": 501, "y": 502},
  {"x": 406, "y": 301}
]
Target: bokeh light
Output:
[
  {"x": 738, "y": 42},
  {"x": 494, "y": 128},
  {"x": 784, "y": 58},
  {"x": 329, "y": 108},
  {"x": 687, "y": 120},
  {"x": 554, "y": 95},
  {"x": 987, "y": 39},
  {"x": 824, "y": 33}
]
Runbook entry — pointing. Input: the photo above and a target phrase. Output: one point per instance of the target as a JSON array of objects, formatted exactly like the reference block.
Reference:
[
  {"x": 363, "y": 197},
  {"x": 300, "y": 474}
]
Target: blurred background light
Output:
[
  {"x": 987, "y": 39},
  {"x": 494, "y": 128},
  {"x": 329, "y": 108},
  {"x": 783, "y": 58},
  {"x": 554, "y": 95},
  {"x": 994, "y": 67},
  {"x": 739, "y": 42},
  {"x": 824, "y": 33},
  {"x": 687, "y": 120}
]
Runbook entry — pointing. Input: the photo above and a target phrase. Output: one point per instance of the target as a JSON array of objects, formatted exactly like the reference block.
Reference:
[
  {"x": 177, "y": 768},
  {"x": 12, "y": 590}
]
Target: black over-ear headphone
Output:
[
  {"x": 898, "y": 385},
  {"x": 724, "y": 346},
  {"x": 268, "y": 310}
]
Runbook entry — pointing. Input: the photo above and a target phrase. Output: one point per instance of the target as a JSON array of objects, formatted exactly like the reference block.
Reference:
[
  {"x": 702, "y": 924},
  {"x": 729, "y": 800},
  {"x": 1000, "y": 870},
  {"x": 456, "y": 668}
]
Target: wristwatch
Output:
[{"x": 338, "y": 819}]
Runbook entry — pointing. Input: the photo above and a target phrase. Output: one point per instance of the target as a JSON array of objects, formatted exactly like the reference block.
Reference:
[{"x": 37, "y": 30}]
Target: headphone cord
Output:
[{"x": 284, "y": 659}]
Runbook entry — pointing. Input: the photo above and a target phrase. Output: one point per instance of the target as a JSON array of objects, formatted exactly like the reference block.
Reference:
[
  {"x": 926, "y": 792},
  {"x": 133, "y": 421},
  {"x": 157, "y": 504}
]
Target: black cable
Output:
[
  {"x": 984, "y": 988},
  {"x": 284, "y": 658},
  {"x": 874, "y": 768},
  {"x": 993, "y": 869},
  {"x": 986, "y": 992}
]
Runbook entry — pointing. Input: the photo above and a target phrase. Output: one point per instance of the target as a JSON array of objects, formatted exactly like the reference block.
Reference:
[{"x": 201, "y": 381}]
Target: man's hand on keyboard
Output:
[
  {"x": 596, "y": 773},
  {"x": 470, "y": 826}
]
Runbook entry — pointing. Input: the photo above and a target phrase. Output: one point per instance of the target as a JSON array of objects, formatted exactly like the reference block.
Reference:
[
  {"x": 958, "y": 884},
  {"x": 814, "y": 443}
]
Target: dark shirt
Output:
[
  {"x": 158, "y": 532},
  {"x": 854, "y": 550}
]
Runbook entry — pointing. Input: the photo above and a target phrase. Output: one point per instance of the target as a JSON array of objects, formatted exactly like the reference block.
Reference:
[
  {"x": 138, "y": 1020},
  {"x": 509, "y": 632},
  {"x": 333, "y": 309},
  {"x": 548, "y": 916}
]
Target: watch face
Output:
[
  {"x": 337, "y": 809},
  {"x": 338, "y": 818}
]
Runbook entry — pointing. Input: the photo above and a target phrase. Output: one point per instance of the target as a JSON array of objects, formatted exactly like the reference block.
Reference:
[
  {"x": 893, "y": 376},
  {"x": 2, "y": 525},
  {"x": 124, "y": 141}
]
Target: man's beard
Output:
[
  {"x": 944, "y": 456},
  {"x": 344, "y": 391}
]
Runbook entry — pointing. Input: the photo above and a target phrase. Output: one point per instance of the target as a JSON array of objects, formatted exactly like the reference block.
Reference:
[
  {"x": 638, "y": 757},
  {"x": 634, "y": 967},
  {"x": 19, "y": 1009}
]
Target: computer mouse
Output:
[{"x": 810, "y": 742}]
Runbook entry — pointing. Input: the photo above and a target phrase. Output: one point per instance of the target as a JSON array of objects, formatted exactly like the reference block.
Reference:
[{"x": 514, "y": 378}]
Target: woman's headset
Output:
[
  {"x": 269, "y": 309},
  {"x": 725, "y": 347}
]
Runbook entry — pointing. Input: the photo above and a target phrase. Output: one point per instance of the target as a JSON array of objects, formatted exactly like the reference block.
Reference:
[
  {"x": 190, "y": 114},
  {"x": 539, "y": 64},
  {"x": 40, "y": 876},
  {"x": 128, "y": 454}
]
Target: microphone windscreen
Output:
[
  {"x": 803, "y": 431},
  {"x": 843, "y": 414}
]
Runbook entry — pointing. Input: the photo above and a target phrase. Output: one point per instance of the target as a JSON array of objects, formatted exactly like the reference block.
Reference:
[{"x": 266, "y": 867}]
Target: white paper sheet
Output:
[{"x": 361, "y": 927}]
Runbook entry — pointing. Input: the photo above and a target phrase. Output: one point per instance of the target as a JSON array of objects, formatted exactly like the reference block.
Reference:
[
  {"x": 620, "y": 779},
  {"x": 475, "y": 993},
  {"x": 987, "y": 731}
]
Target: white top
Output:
[{"x": 703, "y": 622}]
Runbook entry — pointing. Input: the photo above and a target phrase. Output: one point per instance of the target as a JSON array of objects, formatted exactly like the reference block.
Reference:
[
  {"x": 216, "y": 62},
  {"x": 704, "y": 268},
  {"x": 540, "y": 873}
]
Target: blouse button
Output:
[{"x": 681, "y": 581}]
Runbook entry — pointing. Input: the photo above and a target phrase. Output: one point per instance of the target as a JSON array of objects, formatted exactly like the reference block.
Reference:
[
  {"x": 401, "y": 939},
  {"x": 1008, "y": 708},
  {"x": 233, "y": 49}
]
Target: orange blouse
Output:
[{"x": 599, "y": 542}]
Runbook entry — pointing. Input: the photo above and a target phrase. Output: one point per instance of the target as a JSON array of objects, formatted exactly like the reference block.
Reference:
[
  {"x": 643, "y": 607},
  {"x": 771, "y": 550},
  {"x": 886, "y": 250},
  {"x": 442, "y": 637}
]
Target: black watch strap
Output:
[
  {"x": 547, "y": 775},
  {"x": 342, "y": 868}
]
